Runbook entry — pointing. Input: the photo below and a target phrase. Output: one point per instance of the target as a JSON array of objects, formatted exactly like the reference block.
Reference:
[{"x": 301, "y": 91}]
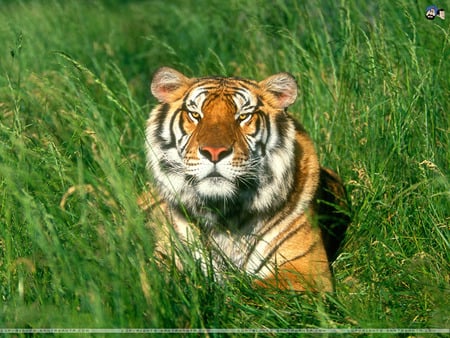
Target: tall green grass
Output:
[{"x": 76, "y": 249}]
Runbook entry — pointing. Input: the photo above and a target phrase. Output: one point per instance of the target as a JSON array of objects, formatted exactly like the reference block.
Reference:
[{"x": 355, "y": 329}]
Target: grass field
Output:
[{"x": 75, "y": 250}]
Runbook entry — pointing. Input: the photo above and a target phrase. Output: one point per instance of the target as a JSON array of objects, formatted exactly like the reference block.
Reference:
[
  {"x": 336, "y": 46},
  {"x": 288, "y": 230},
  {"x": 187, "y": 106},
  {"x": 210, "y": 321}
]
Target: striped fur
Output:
[{"x": 233, "y": 167}]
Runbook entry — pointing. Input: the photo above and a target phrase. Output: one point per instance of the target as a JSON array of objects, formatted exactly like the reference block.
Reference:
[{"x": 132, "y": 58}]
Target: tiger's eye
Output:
[
  {"x": 194, "y": 115},
  {"x": 243, "y": 117}
]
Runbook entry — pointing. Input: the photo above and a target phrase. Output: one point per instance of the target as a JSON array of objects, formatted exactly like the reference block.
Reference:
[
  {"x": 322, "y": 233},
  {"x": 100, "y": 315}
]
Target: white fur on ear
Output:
[
  {"x": 166, "y": 82},
  {"x": 283, "y": 86}
]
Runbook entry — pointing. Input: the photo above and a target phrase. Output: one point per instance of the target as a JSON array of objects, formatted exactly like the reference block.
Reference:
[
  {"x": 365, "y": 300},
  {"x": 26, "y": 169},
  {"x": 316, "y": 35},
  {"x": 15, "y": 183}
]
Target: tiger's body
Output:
[{"x": 233, "y": 167}]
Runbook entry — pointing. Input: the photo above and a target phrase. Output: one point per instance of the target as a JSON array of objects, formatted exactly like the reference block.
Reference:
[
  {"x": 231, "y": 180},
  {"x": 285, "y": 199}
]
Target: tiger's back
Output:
[{"x": 233, "y": 167}]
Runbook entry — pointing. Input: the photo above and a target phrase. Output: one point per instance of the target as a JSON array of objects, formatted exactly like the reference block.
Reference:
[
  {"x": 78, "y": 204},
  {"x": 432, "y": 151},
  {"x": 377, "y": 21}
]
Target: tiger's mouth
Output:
[
  {"x": 214, "y": 174},
  {"x": 216, "y": 180},
  {"x": 217, "y": 173}
]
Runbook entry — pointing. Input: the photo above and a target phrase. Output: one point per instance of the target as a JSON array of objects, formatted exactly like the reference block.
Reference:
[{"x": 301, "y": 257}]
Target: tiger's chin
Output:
[{"x": 216, "y": 188}]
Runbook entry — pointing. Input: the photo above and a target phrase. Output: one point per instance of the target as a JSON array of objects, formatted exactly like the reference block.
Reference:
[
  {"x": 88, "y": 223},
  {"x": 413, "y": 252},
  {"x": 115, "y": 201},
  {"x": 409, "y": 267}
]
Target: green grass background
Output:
[{"x": 75, "y": 250}]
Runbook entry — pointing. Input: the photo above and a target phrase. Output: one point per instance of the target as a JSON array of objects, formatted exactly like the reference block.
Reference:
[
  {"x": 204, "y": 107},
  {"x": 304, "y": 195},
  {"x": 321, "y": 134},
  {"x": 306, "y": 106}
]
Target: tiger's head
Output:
[{"x": 222, "y": 142}]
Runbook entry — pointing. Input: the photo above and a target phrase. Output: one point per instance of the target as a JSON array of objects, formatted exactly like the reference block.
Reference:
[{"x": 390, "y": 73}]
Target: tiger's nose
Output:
[{"x": 215, "y": 154}]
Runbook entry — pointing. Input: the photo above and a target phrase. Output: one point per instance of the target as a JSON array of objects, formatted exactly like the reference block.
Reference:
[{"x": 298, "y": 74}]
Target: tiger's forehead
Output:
[{"x": 234, "y": 92}]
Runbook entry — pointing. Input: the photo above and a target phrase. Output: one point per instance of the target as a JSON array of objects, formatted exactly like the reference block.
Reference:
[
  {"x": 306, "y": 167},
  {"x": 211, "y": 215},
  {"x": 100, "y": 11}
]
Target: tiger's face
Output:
[
  {"x": 217, "y": 143},
  {"x": 221, "y": 141}
]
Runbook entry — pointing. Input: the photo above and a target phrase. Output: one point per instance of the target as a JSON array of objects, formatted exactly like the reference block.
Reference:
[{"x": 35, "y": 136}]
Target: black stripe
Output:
[
  {"x": 210, "y": 97},
  {"x": 181, "y": 126},
  {"x": 168, "y": 166},
  {"x": 246, "y": 81},
  {"x": 161, "y": 115},
  {"x": 172, "y": 141},
  {"x": 257, "y": 127},
  {"x": 282, "y": 123},
  {"x": 303, "y": 254},
  {"x": 264, "y": 230},
  {"x": 214, "y": 79},
  {"x": 276, "y": 247},
  {"x": 268, "y": 126},
  {"x": 240, "y": 91},
  {"x": 185, "y": 105}
]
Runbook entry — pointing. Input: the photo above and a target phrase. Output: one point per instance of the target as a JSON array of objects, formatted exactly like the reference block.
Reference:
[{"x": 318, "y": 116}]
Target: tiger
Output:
[{"x": 231, "y": 166}]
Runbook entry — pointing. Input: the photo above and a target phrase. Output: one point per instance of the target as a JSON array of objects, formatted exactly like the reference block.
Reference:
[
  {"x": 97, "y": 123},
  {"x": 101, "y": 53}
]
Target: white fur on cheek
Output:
[{"x": 169, "y": 180}]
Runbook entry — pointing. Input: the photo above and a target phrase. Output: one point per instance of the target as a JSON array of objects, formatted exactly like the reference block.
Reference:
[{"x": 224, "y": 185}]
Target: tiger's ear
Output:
[
  {"x": 283, "y": 86},
  {"x": 167, "y": 83}
]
